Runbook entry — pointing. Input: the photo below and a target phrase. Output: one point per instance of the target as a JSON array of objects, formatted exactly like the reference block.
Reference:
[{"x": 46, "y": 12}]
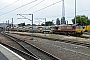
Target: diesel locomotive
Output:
[{"x": 72, "y": 29}]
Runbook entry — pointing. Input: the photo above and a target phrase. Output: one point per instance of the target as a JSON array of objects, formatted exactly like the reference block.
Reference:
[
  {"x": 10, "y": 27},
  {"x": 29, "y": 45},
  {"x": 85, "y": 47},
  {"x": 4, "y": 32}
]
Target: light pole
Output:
[
  {"x": 12, "y": 22},
  {"x": 8, "y": 26},
  {"x": 45, "y": 27},
  {"x": 52, "y": 26},
  {"x": 75, "y": 11},
  {"x": 32, "y": 26}
]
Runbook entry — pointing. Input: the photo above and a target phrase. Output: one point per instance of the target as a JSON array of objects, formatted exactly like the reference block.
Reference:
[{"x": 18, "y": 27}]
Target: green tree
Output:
[
  {"x": 48, "y": 23},
  {"x": 21, "y": 24},
  {"x": 28, "y": 25},
  {"x": 88, "y": 22},
  {"x": 82, "y": 19},
  {"x": 57, "y": 21},
  {"x": 42, "y": 24},
  {"x": 63, "y": 20}
]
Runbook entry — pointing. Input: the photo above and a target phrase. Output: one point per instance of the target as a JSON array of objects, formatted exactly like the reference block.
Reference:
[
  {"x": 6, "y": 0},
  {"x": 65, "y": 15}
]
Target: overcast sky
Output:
[{"x": 10, "y": 8}]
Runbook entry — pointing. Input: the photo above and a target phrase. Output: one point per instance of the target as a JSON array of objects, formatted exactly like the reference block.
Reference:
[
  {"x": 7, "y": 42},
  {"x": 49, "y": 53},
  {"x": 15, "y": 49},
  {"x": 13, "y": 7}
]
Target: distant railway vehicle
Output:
[
  {"x": 20, "y": 29},
  {"x": 74, "y": 29},
  {"x": 46, "y": 29},
  {"x": 86, "y": 28}
]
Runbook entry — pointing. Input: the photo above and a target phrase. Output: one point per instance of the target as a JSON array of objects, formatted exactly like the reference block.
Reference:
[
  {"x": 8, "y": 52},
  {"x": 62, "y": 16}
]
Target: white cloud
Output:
[{"x": 50, "y": 13}]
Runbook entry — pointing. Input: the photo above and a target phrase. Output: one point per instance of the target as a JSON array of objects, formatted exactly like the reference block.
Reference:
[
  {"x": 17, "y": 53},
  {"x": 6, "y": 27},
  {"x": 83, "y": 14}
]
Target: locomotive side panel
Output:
[{"x": 69, "y": 29}]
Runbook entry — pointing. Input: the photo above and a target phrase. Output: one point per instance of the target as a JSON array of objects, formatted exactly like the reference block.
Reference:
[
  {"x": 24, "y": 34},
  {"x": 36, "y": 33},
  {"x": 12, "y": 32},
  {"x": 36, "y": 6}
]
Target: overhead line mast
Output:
[{"x": 75, "y": 11}]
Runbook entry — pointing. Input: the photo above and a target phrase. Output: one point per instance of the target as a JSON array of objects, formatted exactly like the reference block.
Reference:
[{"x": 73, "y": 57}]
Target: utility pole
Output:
[
  {"x": 52, "y": 26},
  {"x": 8, "y": 26},
  {"x": 67, "y": 22},
  {"x": 12, "y": 22},
  {"x": 75, "y": 11},
  {"x": 45, "y": 27},
  {"x": 32, "y": 26}
]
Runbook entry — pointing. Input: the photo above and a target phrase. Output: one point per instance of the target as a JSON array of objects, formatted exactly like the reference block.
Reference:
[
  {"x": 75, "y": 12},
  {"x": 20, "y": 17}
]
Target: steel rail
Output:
[
  {"x": 86, "y": 44},
  {"x": 19, "y": 51},
  {"x": 16, "y": 40},
  {"x": 50, "y": 55}
]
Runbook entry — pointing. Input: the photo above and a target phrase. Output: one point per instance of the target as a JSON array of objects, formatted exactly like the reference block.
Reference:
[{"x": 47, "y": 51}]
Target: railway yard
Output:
[
  {"x": 44, "y": 30},
  {"x": 47, "y": 46}
]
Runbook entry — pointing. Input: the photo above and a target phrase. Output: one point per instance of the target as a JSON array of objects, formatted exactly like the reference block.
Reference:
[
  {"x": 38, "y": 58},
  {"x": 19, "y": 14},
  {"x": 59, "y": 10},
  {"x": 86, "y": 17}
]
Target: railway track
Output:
[
  {"x": 77, "y": 36},
  {"x": 11, "y": 44},
  {"x": 22, "y": 53},
  {"x": 61, "y": 40},
  {"x": 33, "y": 50},
  {"x": 84, "y": 37}
]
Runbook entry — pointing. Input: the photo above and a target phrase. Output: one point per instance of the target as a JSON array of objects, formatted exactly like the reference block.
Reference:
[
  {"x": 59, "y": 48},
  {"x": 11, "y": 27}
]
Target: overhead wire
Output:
[
  {"x": 9, "y": 5},
  {"x": 79, "y": 11},
  {"x": 56, "y": 3},
  {"x": 34, "y": 6},
  {"x": 70, "y": 13},
  {"x": 23, "y": 17},
  {"x": 47, "y": 6},
  {"x": 19, "y": 7}
]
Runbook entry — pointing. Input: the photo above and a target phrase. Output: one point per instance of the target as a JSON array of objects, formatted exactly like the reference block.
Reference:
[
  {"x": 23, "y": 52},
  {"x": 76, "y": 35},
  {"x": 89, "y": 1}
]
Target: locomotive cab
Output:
[{"x": 79, "y": 29}]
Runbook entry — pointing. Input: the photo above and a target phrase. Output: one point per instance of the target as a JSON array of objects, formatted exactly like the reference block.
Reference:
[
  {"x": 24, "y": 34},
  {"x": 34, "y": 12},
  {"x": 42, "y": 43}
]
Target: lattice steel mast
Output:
[{"x": 63, "y": 13}]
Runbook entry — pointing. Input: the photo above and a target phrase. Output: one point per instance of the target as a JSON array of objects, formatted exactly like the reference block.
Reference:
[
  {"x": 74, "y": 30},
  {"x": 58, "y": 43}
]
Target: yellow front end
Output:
[{"x": 79, "y": 30}]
